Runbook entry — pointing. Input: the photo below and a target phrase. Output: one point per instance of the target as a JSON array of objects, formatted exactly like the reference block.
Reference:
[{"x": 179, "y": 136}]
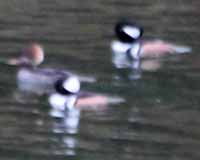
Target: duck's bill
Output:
[{"x": 13, "y": 62}]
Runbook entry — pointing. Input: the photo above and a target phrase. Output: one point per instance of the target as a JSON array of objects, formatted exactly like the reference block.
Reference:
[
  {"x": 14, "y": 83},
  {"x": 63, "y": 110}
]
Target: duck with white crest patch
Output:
[
  {"x": 129, "y": 47},
  {"x": 63, "y": 102},
  {"x": 68, "y": 96}
]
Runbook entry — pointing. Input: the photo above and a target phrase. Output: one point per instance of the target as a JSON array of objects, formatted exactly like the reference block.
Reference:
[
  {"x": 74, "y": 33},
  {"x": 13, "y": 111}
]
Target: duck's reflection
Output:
[
  {"x": 67, "y": 128},
  {"x": 70, "y": 120},
  {"x": 137, "y": 68}
]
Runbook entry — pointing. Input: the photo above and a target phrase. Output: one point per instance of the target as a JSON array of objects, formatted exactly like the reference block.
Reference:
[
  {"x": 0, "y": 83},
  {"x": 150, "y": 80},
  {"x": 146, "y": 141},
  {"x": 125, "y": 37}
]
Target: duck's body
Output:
[
  {"x": 120, "y": 54},
  {"x": 130, "y": 46},
  {"x": 39, "y": 81},
  {"x": 63, "y": 99},
  {"x": 87, "y": 99},
  {"x": 82, "y": 101}
]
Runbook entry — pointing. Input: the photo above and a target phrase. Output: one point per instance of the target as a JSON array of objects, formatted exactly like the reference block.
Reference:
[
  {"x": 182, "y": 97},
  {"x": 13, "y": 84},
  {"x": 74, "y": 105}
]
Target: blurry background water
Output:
[{"x": 160, "y": 119}]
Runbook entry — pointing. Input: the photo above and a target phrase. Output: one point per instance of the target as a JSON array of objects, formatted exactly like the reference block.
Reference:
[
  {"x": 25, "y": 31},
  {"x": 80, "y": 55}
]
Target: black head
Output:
[
  {"x": 67, "y": 86},
  {"x": 128, "y": 32}
]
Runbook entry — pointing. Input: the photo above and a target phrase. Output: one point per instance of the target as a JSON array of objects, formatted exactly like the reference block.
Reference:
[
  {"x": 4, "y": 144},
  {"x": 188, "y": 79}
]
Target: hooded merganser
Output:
[
  {"x": 30, "y": 78},
  {"x": 63, "y": 101},
  {"x": 130, "y": 47},
  {"x": 69, "y": 96}
]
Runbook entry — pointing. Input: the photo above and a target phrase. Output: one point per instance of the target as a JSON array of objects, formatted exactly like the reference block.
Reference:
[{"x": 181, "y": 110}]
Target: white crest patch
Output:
[
  {"x": 134, "y": 32},
  {"x": 72, "y": 84}
]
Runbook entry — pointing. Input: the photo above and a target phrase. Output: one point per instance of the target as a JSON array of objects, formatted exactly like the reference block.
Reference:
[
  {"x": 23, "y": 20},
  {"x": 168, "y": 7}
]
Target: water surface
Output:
[{"x": 160, "y": 118}]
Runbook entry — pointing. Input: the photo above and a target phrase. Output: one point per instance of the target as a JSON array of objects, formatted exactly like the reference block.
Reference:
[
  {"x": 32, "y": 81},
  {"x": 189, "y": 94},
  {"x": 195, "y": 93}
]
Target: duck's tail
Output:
[
  {"x": 178, "y": 49},
  {"x": 116, "y": 100},
  {"x": 87, "y": 79}
]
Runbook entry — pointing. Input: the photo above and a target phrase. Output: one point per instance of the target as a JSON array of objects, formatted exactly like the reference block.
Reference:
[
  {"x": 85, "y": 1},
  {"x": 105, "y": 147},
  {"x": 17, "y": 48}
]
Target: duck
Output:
[
  {"x": 130, "y": 47},
  {"x": 33, "y": 79},
  {"x": 68, "y": 96},
  {"x": 63, "y": 101}
]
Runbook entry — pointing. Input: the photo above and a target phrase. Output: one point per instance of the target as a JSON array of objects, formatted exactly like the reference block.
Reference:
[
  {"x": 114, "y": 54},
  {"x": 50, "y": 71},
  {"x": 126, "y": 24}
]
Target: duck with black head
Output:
[
  {"x": 130, "y": 47},
  {"x": 68, "y": 96}
]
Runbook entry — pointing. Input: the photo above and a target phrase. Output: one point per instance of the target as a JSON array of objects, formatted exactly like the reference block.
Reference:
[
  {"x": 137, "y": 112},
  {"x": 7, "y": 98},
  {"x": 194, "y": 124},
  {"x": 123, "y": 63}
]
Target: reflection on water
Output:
[
  {"x": 160, "y": 118},
  {"x": 139, "y": 66},
  {"x": 70, "y": 119},
  {"x": 68, "y": 126}
]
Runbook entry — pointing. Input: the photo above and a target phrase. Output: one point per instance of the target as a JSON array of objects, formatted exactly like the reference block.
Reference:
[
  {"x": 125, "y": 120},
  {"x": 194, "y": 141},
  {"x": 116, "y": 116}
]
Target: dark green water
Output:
[{"x": 160, "y": 118}]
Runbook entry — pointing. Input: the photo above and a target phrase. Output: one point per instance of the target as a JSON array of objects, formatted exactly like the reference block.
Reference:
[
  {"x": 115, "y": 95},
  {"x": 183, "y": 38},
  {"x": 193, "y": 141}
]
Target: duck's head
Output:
[
  {"x": 128, "y": 32},
  {"x": 68, "y": 86},
  {"x": 32, "y": 55},
  {"x": 66, "y": 93}
]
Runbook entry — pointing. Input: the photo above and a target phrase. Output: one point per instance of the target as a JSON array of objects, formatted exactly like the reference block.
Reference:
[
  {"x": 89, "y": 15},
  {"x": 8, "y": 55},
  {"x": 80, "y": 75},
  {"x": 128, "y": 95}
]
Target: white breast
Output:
[
  {"x": 118, "y": 46},
  {"x": 119, "y": 53},
  {"x": 61, "y": 102}
]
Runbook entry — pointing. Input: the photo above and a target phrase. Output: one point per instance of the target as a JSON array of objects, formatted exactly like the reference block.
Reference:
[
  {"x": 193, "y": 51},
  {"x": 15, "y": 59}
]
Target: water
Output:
[{"x": 160, "y": 118}]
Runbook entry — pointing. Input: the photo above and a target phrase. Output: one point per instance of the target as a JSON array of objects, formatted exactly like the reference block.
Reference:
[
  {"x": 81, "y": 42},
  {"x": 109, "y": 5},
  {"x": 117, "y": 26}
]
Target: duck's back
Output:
[{"x": 39, "y": 81}]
